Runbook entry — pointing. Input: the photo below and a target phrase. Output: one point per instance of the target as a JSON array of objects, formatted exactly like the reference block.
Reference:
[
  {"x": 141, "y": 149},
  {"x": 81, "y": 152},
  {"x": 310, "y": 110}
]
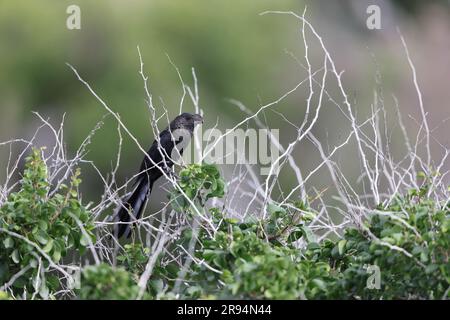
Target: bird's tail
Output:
[{"x": 132, "y": 208}]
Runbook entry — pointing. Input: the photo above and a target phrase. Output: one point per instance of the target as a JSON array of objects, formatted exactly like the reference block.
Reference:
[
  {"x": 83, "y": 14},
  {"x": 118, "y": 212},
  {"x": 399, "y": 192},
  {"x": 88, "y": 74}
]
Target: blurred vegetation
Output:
[{"x": 36, "y": 46}]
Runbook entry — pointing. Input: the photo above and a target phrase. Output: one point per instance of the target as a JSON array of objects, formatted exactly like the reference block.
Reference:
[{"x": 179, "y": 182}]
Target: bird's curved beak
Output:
[{"x": 197, "y": 118}]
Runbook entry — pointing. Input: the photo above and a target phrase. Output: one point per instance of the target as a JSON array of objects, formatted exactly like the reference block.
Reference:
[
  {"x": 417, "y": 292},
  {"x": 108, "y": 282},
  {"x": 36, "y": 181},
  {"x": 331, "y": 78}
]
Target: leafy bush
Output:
[
  {"x": 134, "y": 259},
  {"x": 103, "y": 282},
  {"x": 416, "y": 268},
  {"x": 199, "y": 183},
  {"x": 37, "y": 225},
  {"x": 250, "y": 266},
  {"x": 273, "y": 258},
  {"x": 407, "y": 241}
]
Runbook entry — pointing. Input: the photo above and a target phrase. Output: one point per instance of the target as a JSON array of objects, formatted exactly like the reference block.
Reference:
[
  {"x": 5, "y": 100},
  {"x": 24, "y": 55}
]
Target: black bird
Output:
[{"x": 162, "y": 154}]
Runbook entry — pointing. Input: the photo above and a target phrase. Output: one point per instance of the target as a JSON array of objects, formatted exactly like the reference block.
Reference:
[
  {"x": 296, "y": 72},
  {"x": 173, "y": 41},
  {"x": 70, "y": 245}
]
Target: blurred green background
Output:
[{"x": 236, "y": 54}]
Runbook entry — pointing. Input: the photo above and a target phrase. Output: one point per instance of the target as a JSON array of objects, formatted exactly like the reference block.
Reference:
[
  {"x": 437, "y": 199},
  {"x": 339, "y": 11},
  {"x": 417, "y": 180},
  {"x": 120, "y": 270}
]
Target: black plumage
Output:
[{"x": 160, "y": 153}]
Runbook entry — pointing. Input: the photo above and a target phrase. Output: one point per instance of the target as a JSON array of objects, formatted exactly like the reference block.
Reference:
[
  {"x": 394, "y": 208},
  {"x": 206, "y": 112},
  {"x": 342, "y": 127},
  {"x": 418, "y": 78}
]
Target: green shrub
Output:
[
  {"x": 103, "y": 282},
  {"x": 278, "y": 257},
  {"x": 421, "y": 271},
  {"x": 199, "y": 183},
  {"x": 134, "y": 258},
  {"x": 250, "y": 266},
  {"x": 35, "y": 223},
  {"x": 259, "y": 259}
]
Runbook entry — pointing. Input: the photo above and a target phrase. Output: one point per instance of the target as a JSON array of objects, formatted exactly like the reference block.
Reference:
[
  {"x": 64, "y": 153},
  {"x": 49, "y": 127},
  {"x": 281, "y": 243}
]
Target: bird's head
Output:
[{"x": 186, "y": 121}]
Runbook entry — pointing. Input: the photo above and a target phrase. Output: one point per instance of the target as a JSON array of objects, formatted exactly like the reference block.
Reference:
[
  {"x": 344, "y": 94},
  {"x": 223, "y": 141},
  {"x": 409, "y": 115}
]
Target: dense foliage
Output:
[
  {"x": 39, "y": 225},
  {"x": 401, "y": 251},
  {"x": 102, "y": 282}
]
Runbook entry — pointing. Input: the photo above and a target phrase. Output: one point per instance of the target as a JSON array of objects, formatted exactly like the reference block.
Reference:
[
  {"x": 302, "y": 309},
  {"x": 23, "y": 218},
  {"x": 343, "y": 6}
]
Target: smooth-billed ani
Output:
[{"x": 161, "y": 154}]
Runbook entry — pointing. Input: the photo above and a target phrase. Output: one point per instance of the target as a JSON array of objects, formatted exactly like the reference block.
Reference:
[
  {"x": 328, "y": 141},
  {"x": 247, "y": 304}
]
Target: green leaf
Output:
[
  {"x": 15, "y": 256},
  {"x": 157, "y": 285},
  {"x": 431, "y": 268},
  {"x": 49, "y": 246},
  {"x": 56, "y": 255},
  {"x": 295, "y": 234},
  {"x": 275, "y": 209},
  {"x": 43, "y": 291},
  {"x": 84, "y": 241},
  {"x": 423, "y": 256},
  {"x": 41, "y": 236},
  {"x": 320, "y": 283},
  {"x": 8, "y": 243},
  {"x": 43, "y": 225},
  {"x": 310, "y": 237},
  {"x": 341, "y": 246},
  {"x": 313, "y": 246},
  {"x": 33, "y": 263}
]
